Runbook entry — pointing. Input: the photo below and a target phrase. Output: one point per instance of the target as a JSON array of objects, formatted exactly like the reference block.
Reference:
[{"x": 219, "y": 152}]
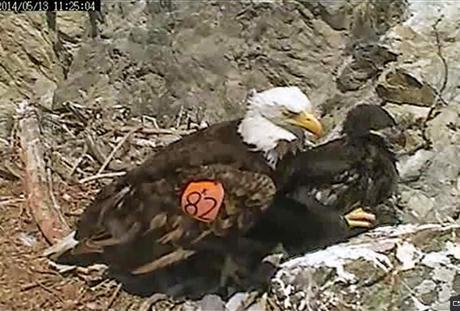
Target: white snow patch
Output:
[
  {"x": 406, "y": 253},
  {"x": 337, "y": 256},
  {"x": 453, "y": 249},
  {"x": 419, "y": 306},
  {"x": 435, "y": 259},
  {"x": 391, "y": 231}
]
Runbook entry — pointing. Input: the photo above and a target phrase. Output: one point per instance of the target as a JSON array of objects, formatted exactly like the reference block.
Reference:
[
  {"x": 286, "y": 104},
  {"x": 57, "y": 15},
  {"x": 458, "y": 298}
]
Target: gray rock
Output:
[
  {"x": 386, "y": 268},
  {"x": 410, "y": 168},
  {"x": 337, "y": 14},
  {"x": 418, "y": 205},
  {"x": 367, "y": 62},
  {"x": 211, "y": 303},
  {"x": 443, "y": 130},
  {"x": 399, "y": 86},
  {"x": 236, "y": 301},
  {"x": 195, "y": 57},
  {"x": 29, "y": 67}
]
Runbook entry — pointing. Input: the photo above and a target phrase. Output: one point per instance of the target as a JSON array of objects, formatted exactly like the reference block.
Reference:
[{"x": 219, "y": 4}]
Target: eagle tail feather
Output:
[
  {"x": 169, "y": 259},
  {"x": 65, "y": 244},
  {"x": 69, "y": 251}
]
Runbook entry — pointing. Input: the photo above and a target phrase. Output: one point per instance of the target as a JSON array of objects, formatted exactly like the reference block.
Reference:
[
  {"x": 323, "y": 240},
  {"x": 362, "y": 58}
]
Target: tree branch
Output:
[{"x": 35, "y": 180}]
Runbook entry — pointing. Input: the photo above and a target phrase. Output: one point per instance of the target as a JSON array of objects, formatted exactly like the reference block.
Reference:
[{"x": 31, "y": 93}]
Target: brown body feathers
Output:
[{"x": 136, "y": 223}]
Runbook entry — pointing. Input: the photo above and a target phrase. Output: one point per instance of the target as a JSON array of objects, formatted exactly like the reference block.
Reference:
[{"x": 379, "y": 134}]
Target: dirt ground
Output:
[{"x": 27, "y": 281}]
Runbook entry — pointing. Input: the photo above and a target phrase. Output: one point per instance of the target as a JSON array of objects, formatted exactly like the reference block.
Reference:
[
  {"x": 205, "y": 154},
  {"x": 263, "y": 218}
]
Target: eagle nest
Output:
[{"x": 51, "y": 168}]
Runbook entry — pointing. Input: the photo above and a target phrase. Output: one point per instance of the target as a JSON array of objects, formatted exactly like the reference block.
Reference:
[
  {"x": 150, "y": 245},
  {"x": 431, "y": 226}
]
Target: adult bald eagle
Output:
[
  {"x": 336, "y": 185},
  {"x": 214, "y": 183},
  {"x": 325, "y": 195}
]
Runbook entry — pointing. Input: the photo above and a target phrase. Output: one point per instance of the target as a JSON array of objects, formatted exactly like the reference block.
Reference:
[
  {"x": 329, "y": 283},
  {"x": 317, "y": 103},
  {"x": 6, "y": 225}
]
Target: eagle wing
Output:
[
  {"x": 340, "y": 174},
  {"x": 137, "y": 223},
  {"x": 151, "y": 212}
]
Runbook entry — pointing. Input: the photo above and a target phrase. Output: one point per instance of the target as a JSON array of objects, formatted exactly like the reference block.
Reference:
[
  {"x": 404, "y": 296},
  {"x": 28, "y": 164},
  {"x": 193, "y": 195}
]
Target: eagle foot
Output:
[{"x": 358, "y": 218}]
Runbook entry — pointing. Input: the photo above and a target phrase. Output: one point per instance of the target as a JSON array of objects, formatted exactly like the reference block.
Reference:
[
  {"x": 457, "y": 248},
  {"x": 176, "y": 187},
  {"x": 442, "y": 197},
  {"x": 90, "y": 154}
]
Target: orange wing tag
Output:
[{"x": 202, "y": 200}]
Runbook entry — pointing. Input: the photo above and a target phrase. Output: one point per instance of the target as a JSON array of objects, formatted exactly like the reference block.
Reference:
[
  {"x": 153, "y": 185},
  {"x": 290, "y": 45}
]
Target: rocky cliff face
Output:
[{"x": 197, "y": 60}]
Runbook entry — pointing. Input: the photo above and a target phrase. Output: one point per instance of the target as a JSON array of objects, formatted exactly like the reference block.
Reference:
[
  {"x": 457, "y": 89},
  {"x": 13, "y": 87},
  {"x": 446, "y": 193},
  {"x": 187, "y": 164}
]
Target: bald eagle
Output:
[{"x": 211, "y": 184}]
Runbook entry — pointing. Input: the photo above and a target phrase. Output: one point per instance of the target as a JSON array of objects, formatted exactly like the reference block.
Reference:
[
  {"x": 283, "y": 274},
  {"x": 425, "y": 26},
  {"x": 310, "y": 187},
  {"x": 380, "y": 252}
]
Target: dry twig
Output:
[
  {"x": 79, "y": 160},
  {"x": 158, "y": 131},
  {"x": 94, "y": 150},
  {"x": 10, "y": 201},
  {"x": 53, "y": 198},
  {"x": 116, "y": 148},
  {"x": 147, "y": 304},
  {"x": 99, "y": 176},
  {"x": 113, "y": 297},
  {"x": 38, "y": 199}
]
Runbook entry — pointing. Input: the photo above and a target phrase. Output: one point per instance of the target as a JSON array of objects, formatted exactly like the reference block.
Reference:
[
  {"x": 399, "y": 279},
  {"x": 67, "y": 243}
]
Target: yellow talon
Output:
[{"x": 358, "y": 218}]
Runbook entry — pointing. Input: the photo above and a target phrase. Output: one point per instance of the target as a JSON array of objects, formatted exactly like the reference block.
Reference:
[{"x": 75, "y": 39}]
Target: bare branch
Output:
[{"x": 38, "y": 193}]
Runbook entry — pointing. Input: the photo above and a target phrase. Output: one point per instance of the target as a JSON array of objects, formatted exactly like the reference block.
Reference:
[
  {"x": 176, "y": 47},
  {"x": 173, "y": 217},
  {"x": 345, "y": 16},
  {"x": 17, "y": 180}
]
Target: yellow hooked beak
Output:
[{"x": 308, "y": 122}]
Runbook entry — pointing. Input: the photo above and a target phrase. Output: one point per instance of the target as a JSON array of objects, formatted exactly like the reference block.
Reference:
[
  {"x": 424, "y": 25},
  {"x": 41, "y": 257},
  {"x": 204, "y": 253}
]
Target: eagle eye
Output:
[{"x": 289, "y": 113}]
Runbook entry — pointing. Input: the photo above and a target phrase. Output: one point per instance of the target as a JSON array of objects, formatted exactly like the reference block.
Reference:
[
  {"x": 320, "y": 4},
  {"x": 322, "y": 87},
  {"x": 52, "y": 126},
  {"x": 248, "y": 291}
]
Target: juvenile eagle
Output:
[
  {"x": 331, "y": 189},
  {"x": 211, "y": 184}
]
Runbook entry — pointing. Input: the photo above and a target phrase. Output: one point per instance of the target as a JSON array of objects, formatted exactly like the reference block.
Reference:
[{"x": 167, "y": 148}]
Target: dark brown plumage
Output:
[
  {"x": 136, "y": 224},
  {"x": 144, "y": 203}
]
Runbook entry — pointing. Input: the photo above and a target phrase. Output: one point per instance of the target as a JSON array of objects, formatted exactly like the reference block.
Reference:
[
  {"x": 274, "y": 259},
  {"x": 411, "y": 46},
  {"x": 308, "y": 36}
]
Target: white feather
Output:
[
  {"x": 260, "y": 126},
  {"x": 262, "y": 133},
  {"x": 63, "y": 245}
]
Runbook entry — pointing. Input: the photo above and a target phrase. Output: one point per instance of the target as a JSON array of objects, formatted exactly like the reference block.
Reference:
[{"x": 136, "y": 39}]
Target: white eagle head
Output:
[{"x": 280, "y": 113}]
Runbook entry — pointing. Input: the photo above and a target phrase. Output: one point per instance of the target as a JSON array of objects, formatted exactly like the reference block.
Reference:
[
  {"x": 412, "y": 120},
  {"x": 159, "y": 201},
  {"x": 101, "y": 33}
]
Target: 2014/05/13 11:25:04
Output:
[{"x": 49, "y": 5}]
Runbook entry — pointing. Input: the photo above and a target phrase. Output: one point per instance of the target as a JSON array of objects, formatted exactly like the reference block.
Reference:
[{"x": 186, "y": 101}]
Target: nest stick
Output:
[
  {"x": 157, "y": 131},
  {"x": 113, "y": 297},
  {"x": 35, "y": 181},
  {"x": 117, "y": 147},
  {"x": 99, "y": 176}
]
